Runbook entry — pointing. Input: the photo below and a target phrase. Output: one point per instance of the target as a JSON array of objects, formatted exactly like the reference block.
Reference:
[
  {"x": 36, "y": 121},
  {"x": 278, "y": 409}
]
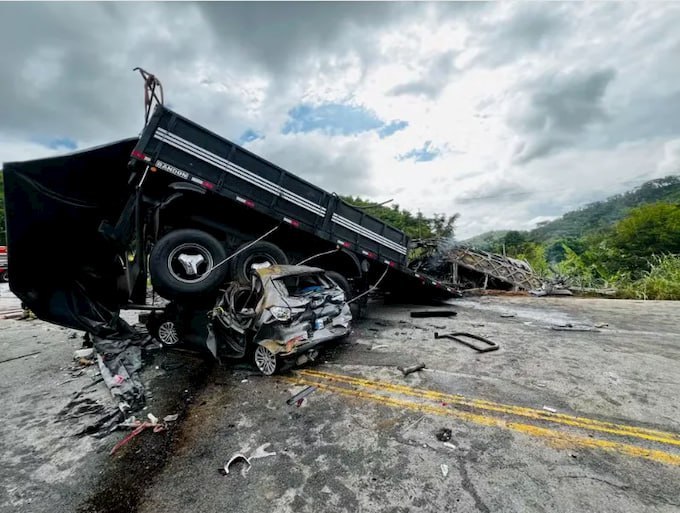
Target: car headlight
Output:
[{"x": 280, "y": 313}]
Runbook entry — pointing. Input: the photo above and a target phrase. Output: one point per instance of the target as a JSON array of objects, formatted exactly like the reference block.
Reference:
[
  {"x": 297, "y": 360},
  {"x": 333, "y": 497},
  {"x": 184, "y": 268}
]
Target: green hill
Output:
[
  {"x": 593, "y": 216},
  {"x": 604, "y": 213},
  {"x": 486, "y": 240}
]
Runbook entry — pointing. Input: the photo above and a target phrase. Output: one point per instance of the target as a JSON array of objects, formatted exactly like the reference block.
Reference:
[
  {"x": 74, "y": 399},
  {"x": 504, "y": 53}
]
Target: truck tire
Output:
[
  {"x": 259, "y": 252},
  {"x": 341, "y": 282},
  {"x": 182, "y": 264}
]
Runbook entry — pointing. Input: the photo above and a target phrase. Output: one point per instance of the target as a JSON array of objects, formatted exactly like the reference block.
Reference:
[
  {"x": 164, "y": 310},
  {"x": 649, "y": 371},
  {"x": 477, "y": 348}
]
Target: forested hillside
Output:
[
  {"x": 589, "y": 218},
  {"x": 604, "y": 213}
]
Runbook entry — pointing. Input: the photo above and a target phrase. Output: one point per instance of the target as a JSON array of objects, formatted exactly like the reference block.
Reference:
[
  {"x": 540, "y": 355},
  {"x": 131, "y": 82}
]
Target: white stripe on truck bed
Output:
[{"x": 248, "y": 176}]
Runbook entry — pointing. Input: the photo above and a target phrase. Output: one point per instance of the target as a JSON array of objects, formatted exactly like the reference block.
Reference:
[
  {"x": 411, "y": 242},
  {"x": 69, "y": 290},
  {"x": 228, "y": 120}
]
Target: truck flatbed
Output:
[{"x": 173, "y": 144}]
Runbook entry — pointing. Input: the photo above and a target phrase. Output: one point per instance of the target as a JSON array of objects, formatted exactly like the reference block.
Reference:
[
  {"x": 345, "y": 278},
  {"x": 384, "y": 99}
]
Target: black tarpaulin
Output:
[{"x": 62, "y": 268}]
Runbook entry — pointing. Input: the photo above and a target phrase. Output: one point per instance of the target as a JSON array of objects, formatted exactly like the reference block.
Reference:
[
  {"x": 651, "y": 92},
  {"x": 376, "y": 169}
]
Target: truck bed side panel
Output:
[{"x": 234, "y": 171}]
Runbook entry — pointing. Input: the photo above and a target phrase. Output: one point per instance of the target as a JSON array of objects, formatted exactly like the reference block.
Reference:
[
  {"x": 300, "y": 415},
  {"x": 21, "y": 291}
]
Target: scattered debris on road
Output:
[
  {"x": 83, "y": 353},
  {"x": 261, "y": 452},
  {"x": 445, "y": 469},
  {"x": 420, "y": 314},
  {"x": 409, "y": 370},
  {"x": 571, "y": 327},
  {"x": 140, "y": 426},
  {"x": 507, "y": 315},
  {"x": 443, "y": 435},
  {"x": 551, "y": 410},
  {"x": 119, "y": 363},
  {"x": 297, "y": 398},
  {"x": 235, "y": 458},
  {"x": 460, "y": 336}
]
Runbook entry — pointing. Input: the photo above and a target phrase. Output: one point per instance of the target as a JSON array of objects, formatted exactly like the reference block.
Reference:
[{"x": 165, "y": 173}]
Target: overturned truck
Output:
[{"x": 190, "y": 210}]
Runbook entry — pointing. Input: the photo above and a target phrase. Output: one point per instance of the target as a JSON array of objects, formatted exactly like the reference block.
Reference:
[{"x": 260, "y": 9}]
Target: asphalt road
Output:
[{"x": 553, "y": 421}]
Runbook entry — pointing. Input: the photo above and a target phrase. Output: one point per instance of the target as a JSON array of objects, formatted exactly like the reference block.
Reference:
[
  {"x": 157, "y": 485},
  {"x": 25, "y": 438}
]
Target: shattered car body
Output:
[{"x": 284, "y": 315}]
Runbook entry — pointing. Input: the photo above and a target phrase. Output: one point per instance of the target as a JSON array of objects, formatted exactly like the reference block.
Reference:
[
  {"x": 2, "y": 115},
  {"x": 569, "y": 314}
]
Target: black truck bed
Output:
[{"x": 176, "y": 145}]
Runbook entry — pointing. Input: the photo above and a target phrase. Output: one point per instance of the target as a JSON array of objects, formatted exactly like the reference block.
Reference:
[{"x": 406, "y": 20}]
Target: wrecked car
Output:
[{"x": 278, "y": 320}]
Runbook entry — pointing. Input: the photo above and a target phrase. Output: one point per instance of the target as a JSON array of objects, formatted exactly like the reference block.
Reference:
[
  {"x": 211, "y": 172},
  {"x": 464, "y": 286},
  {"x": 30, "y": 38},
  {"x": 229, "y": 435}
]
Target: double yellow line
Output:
[{"x": 472, "y": 410}]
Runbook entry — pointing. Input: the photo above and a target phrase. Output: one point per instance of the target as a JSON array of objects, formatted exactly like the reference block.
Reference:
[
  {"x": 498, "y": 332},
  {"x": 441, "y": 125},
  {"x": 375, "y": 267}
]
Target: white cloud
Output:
[{"x": 533, "y": 108}]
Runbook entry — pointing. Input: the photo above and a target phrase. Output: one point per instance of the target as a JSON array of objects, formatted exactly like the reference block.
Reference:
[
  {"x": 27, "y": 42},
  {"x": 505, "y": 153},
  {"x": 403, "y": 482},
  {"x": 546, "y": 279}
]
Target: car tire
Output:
[
  {"x": 257, "y": 253},
  {"x": 341, "y": 282},
  {"x": 182, "y": 264}
]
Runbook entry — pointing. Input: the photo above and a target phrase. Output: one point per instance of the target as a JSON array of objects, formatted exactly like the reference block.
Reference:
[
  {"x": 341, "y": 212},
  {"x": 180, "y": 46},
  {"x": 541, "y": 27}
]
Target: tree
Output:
[
  {"x": 514, "y": 242},
  {"x": 649, "y": 230},
  {"x": 415, "y": 226}
]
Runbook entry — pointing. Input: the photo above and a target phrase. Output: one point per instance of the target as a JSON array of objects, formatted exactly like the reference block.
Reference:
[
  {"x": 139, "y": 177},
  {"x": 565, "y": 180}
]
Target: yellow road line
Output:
[
  {"x": 559, "y": 418},
  {"x": 557, "y": 438}
]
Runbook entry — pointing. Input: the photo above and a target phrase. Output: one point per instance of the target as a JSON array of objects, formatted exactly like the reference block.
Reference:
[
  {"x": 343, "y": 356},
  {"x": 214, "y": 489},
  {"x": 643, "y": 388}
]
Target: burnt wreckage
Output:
[{"x": 195, "y": 212}]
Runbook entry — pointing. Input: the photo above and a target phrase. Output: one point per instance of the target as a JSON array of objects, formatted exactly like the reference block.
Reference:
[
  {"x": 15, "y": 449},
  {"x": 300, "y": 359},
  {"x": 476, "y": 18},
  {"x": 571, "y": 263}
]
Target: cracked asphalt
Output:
[{"x": 553, "y": 421}]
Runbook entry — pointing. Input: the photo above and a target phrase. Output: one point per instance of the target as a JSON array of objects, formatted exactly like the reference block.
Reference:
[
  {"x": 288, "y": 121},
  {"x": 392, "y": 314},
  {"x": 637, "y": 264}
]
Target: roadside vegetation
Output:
[
  {"x": 415, "y": 226},
  {"x": 630, "y": 242}
]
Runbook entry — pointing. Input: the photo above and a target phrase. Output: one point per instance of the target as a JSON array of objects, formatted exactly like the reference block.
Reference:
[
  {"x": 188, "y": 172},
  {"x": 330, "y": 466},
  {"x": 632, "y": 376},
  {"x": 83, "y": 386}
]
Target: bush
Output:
[{"x": 662, "y": 281}]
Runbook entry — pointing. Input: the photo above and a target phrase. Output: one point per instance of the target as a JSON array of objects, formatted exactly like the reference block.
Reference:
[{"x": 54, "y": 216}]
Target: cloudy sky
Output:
[{"x": 508, "y": 113}]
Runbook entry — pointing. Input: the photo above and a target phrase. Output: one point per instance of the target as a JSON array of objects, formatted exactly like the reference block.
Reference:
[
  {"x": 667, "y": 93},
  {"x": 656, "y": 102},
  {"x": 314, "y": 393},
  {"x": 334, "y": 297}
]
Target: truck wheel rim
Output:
[
  {"x": 179, "y": 271},
  {"x": 257, "y": 260},
  {"x": 265, "y": 360},
  {"x": 167, "y": 333}
]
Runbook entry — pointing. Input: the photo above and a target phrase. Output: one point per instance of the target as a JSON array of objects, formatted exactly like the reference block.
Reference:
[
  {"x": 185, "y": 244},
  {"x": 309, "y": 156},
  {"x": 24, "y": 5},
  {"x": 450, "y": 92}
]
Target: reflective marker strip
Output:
[
  {"x": 139, "y": 155},
  {"x": 246, "y": 202},
  {"x": 343, "y": 221},
  {"x": 238, "y": 171}
]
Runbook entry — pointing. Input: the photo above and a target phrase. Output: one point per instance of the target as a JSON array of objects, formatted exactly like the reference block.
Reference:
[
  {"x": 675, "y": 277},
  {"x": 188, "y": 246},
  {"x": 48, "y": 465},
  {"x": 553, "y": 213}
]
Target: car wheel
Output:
[
  {"x": 167, "y": 333},
  {"x": 259, "y": 253},
  {"x": 266, "y": 361},
  {"x": 182, "y": 264}
]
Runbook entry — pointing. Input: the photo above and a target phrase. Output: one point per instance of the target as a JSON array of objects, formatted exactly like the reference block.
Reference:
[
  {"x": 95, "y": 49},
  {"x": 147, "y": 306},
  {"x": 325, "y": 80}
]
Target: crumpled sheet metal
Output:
[
  {"x": 289, "y": 339},
  {"x": 286, "y": 339}
]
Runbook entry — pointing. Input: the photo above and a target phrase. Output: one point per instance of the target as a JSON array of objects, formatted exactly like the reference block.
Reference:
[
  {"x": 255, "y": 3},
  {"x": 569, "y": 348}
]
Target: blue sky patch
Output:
[
  {"x": 392, "y": 127},
  {"x": 338, "y": 119},
  {"x": 331, "y": 118},
  {"x": 55, "y": 143},
  {"x": 424, "y": 154},
  {"x": 249, "y": 135}
]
